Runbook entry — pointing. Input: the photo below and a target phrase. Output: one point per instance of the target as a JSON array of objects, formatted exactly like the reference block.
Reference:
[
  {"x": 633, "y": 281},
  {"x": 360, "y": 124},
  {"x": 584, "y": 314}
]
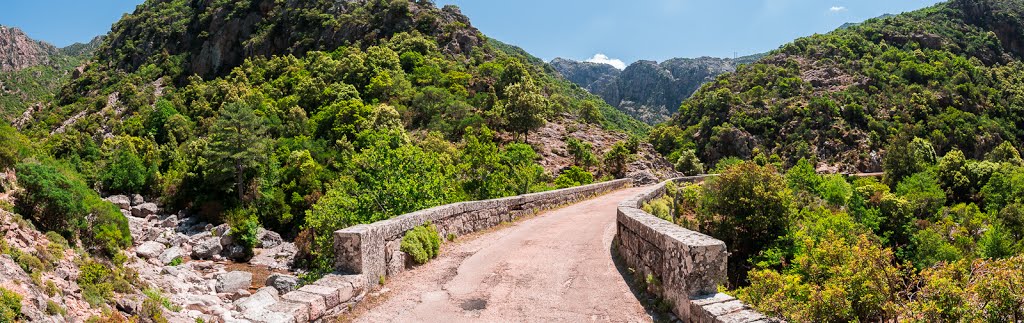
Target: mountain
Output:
[
  {"x": 31, "y": 71},
  {"x": 647, "y": 90},
  {"x": 949, "y": 74}
]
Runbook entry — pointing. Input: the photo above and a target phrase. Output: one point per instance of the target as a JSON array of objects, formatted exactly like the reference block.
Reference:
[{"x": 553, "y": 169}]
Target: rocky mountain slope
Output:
[
  {"x": 647, "y": 90},
  {"x": 949, "y": 74},
  {"x": 32, "y": 71}
]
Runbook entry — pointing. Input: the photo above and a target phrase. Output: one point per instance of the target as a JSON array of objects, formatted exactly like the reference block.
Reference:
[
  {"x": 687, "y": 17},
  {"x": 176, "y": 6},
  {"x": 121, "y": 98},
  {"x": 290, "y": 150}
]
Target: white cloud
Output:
[
  {"x": 837, "y": 9},
  {"x": 604, "y": 59}
]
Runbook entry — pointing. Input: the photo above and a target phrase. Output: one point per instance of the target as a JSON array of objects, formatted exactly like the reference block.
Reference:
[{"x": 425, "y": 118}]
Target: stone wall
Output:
[
  {"x": 688, "y": 266},
  {"x": 372, "y": 250}
]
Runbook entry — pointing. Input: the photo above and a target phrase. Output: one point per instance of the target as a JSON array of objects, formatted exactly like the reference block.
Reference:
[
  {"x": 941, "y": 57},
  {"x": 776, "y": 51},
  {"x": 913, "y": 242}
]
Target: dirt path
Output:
[{"x": 556, "y": 267}]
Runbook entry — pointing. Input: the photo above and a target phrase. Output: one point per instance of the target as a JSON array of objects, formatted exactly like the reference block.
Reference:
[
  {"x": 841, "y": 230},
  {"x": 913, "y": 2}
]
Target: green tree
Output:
[
  {"x": 524, "y": 108},
  {"x": 574, "y": 176},
  {"x": 582, "y": 153},
  {"x": 923, "y": 192},
  {"x": 747, "y": 207},
  {"x": 617, "y": 159},
  {"x": 238, "y": 143},
  {"x": 906, "y": 157},
  {"x": 1006, "y": 153},
  {"x": 689, "y": 164},
  {"x": 125, "y": 172},
  {"x": 12, "y": 146}
]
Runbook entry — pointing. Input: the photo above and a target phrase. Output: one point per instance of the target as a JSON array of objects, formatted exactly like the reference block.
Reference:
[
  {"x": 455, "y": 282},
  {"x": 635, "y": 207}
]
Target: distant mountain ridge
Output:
[
  {"x": 648, "y": 90},
  {"x": 31, "y": 71}
]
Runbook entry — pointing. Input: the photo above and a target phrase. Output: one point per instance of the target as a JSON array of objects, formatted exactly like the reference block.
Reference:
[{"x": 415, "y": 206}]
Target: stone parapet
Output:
[{"x": 687, "y": 266}]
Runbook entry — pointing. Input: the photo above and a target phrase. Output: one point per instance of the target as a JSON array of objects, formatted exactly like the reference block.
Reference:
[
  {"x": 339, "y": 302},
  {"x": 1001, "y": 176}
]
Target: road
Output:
[{"x": 555, "y": 267}]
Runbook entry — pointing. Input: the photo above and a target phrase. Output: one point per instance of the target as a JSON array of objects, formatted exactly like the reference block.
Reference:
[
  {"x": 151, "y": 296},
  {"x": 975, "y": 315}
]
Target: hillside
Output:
[
  {"x": 949, "y": 73},
  {"x": 31, "y": 71},
  {"x": 647, "y": 90}
]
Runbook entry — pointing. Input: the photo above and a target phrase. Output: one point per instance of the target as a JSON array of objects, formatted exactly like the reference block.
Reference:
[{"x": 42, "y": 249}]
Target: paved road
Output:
[{"x": 556, "y": 267}]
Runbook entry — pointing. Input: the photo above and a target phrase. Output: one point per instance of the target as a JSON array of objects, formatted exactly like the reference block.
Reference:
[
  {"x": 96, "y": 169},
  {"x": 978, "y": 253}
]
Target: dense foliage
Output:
[
  {"x": 944, "y": 243},
  {"x": 323, "y": 116},
  {"x": 10, "y": 306},
  {"x": 950, "y": 74}
]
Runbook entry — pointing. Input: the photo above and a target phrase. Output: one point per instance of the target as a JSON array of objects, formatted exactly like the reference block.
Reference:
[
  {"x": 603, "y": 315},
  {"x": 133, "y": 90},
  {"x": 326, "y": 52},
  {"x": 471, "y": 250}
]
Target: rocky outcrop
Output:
[
  {"x": 647, "y": 90},
  {"x": 18, "y": 51},
  {"x": 215, "y": 38}
]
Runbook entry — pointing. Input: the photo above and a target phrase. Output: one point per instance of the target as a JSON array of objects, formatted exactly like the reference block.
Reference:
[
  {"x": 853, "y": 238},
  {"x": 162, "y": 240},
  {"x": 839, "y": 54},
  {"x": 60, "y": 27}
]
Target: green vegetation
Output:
[
  {"x": 372, "y": 110},
  {"x": 942, "y": 244},
  {"x": 57, "y": 200},
  {"x": 38, "y": 84},
  {"x": 574, "y": 176},
  {"x": 10, "y": 306},
  {"x": 422, "y": 243},
  {"x": 950, "y": 74}
]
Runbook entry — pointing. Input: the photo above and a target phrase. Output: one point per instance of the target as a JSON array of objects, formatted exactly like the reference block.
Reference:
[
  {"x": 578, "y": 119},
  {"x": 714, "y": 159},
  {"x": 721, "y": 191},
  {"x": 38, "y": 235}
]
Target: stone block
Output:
[
  {"x": 315, "y": 304},
  {"x": 330, "y": 294},
  {"x": 298, "y": 311}
]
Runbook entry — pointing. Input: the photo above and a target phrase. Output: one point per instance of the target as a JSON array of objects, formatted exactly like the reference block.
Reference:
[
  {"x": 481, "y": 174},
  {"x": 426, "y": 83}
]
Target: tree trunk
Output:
[{"x": 239, "y": 170}]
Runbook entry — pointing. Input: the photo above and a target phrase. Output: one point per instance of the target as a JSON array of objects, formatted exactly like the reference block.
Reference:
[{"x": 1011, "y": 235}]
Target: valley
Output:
[{"x": 388, "y": 160}]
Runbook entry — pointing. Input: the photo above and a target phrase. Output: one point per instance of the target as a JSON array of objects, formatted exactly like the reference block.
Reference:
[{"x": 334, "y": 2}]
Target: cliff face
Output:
[
  {"x": 214, "y": 38},
  {"x": 647, "y": 90},
  {"x": 18, "y": 51}
]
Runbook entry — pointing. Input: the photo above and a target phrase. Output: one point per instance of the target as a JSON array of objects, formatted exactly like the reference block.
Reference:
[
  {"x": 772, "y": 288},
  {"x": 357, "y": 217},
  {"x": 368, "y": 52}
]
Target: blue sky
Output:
[{"x": 578, "y": 29}]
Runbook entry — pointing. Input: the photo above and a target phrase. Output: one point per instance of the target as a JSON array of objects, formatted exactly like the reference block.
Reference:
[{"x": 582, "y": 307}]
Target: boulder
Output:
[
  {"x": 236, "y": 252},
  {"x": 170, "y": 222},
  {"x": 283, "y": 283},
  {"x": 121, "y": 201},
  {"x": 145, "y": 209},
  {"x": 150, "y": 249},
  {"x": 170, "y": 254},
  {"x": 127, "y": 306},
  {"x": 234, "y": 281},
  {"x": 206, "y": 248},
  {"x": 138, "y": 199},
  {"x": 268, "y": 239}
]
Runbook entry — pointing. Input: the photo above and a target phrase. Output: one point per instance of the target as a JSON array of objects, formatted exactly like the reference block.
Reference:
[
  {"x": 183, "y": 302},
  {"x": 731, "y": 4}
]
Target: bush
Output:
[
  {"x": 905, "y": 157},
  {"x": 125, "y": 173},
  {"x": 58, "y": 201},
  {"x": 12, "y": 146},
  {"x": 422, "y": 243},
  {"x": 52, "y": 308},
  {"x": 689, "y": 164},
  {"x": 923, "y": 192},
  {"x": 835, "y": 190},
  {"x": 10, "y": 306},
  {"x": 582, "y": 152},
  {"x": 616, "y": 159},
  {"x": 244, "y": 227},
  {"x": 97, "y": 283},
  {"x": 747, "y": 207},
  {"x": 574, "y": 176},
  {"x": 725, "y": 163}
]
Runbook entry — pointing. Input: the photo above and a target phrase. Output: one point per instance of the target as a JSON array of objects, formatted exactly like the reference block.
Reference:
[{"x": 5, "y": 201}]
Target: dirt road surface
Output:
[{"x": 555, "y": 267}]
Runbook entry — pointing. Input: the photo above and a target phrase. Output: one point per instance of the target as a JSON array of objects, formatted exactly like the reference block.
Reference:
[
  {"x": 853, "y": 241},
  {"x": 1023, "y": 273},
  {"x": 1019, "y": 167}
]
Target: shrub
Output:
[
  {"x": 582, "y": 152},
  {"x": 616, "y": 159},
  {"x": 835, "y": 190},
  {"x": 244, "y": 227},
  {"x": 688, "y": 163},
  {"x": 905, "y": 157},
  {"x": 747, "y": 207},
  {"x": 52, "y": 308},
  {"x": 58, "y": 201},
  {"x": 10, "y": 306},
  {"x": 725, "y": 163},
  {"x": 12, "y": 146},
  {"x": 97, "y": 284},
  {"x": 125, "y": 173},
  {"x": 923, "y": 192},
  {"x": 422, "y": 243},
  {"x": 574, "y": 176}
]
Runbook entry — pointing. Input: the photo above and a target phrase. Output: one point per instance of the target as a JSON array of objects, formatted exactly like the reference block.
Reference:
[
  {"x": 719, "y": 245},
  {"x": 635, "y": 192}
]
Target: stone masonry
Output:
[
  {"x": 372, "y": 250},
  {"x": 688, "y": 265}
]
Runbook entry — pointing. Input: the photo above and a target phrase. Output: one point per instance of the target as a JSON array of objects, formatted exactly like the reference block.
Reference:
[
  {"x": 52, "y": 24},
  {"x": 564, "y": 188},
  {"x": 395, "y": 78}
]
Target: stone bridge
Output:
[{"x": 557, "y": 266}]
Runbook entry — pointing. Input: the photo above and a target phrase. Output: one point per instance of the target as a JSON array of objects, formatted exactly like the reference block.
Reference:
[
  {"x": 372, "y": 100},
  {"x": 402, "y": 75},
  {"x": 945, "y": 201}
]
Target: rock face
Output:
[
  {"x": 219, "y": 50},
  {"x": 647, "y": 90},
  {"x": 233, "y": 281},
  {"x": 18, "y": 51}
]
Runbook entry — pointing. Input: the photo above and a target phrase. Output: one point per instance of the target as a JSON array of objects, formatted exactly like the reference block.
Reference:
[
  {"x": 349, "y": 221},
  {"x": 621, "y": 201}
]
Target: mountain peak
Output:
[{"x": 18, "y": 51}]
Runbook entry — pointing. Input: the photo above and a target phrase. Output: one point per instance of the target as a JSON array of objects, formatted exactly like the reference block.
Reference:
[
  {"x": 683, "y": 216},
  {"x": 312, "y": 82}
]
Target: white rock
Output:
[
  {"x": 170, "y": 254},
  {"x": 121, "y": 201},
  {"x": 150, "y": 249},
  {"x": 233, "y": 281}
]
